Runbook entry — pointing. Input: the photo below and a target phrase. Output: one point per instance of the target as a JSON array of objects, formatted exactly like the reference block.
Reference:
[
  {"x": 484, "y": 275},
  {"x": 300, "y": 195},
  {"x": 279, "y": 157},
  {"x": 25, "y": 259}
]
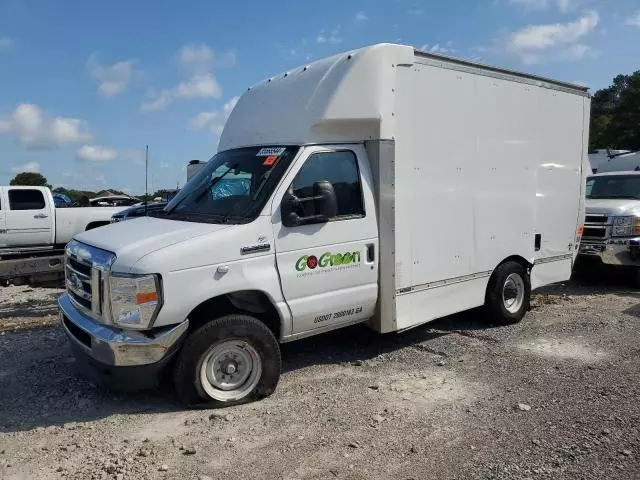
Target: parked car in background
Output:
[
  {"x": 139, "y": 210},
  {"x": 114, "y": 201},
  {"x": 612, "y": 222}
]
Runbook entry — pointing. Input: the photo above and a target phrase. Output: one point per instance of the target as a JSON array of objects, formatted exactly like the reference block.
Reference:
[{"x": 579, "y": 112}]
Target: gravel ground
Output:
[
  {"x": 555, "y": 397},
  {"x": 25, "y": 308}
]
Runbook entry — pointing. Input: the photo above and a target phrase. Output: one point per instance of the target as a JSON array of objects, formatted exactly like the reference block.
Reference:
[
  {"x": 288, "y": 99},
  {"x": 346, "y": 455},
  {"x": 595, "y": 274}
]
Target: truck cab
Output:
[
  {"x": 29, "y": 219},
  {"x": 612, "y": 223}
]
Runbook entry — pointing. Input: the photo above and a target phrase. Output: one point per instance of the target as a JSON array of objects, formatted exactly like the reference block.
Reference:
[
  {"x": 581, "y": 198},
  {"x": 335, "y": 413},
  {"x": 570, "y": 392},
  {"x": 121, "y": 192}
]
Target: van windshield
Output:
[
  {"x": 232, "y": 187},
  {"x": 614, "y": 186}
]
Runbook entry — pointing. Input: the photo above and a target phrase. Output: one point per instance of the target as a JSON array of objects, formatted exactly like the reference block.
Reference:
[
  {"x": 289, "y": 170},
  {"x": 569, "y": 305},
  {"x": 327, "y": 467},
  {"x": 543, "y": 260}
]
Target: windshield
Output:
[
  {"x": 232, "y": 187},
  {"x": 613, "y": 186}
]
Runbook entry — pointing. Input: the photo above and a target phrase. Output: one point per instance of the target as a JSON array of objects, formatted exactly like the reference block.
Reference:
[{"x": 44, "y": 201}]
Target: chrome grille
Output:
[
  {"x": 86, "y": 271},
  {"x": 597, "y": 227},
  {"x": 598, "y": 218},
  {"x": 593, "y": 231}
]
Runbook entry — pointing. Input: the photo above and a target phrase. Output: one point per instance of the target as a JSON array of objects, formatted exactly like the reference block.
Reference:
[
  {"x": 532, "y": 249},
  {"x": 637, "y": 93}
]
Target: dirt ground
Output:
[{"x": 556, "y": 396}]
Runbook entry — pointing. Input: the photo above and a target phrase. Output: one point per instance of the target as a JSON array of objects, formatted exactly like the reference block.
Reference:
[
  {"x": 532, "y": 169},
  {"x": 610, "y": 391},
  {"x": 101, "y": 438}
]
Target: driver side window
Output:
[{"x": 341, "y": 170}]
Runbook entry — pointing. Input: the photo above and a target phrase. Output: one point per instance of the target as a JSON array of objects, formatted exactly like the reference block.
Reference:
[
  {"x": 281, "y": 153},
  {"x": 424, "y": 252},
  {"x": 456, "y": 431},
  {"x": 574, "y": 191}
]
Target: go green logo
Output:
[{"x": 327, "y": 259}]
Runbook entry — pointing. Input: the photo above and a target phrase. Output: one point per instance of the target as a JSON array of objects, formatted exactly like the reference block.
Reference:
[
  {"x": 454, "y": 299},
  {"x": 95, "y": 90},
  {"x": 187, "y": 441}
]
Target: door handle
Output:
[
  {"x": 40, "y": 215},
  {"x": 371, "y": 253}
]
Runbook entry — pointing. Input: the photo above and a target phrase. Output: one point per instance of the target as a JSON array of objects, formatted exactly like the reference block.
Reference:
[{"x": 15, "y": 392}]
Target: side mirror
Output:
[
  {"x": 290, "y": 203},
  {"x": 325, "y": 206},
  {"x": 326, "y": 203}
]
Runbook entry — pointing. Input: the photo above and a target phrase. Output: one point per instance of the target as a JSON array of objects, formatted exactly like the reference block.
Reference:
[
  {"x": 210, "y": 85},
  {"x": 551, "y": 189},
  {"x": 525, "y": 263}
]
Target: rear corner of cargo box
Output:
[{"x": 560, "y": 184}]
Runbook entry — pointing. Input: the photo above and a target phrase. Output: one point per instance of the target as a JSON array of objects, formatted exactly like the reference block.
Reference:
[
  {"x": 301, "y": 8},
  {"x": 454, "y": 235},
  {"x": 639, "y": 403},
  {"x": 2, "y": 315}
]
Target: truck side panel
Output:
[
  {"x": 71, "y": 221},
  {"x": 469, "y": 149}
]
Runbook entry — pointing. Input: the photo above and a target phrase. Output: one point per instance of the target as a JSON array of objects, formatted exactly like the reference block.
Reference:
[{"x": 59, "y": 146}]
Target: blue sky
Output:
[{"x": 85, "y": 85}]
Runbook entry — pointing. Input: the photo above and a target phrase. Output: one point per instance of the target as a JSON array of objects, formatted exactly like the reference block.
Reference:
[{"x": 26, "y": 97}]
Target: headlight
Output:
[
  {"x": 623, "y": 226},
  {"x": 135, "y": 300}
]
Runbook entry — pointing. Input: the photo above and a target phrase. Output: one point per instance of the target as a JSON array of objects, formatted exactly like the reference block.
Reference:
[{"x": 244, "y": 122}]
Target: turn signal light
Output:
[{"x": 146, "y": 297}]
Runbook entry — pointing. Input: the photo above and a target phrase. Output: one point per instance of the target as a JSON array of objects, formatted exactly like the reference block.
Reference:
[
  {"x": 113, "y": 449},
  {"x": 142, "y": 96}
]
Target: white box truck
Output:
[{"x": 384, "y": 185}]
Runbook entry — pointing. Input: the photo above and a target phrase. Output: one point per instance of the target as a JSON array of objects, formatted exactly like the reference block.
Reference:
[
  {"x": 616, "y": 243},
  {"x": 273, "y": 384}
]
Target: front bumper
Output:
[
  {"x": 613, "y": 251},
  {"x": 114, "y": 356}
]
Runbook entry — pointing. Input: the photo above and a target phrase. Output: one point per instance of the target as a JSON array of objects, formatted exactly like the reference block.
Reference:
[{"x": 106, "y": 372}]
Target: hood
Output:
[
  {"x": 136, "y": 238},
  {"x": 612, "y": 206}
]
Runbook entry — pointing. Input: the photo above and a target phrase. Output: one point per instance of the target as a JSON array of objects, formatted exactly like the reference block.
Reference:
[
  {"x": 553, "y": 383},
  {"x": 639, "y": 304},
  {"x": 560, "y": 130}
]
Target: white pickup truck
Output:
[
  {"x": 29, "y": 219},
  {"x": 383, "y": 185},
  {"x": 612, "y": 224}
]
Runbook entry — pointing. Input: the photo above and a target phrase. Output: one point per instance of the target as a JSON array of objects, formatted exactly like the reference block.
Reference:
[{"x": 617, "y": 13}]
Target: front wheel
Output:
[
  {"x": 508, "y": 293},
  {"x": 227, "y": 361}
]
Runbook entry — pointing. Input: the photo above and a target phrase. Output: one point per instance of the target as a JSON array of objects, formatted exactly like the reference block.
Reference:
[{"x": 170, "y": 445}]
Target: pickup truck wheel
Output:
[
  {"x": 227, "y": 361},
  {"x": 508, "y": 293}
]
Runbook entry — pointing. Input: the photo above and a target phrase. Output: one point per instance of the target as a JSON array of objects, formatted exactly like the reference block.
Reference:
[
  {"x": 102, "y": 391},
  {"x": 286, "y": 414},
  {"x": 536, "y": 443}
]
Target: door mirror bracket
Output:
[{"x": 324, "y": 201}]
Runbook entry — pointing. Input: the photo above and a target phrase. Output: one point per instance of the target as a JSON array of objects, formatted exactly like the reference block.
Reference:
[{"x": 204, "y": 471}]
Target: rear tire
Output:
[
  {"x": 508, "y": 293},
  {"x": 227, "y": 361}
]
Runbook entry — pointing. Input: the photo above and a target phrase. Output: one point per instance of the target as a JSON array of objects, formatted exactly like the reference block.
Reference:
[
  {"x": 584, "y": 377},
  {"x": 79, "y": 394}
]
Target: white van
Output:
[{"x": 384, "y": 185}]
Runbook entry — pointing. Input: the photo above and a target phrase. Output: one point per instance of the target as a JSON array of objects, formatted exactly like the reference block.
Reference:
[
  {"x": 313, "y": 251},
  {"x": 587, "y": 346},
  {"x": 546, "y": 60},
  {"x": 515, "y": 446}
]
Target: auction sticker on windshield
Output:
[{"x": 269, "y": 151}]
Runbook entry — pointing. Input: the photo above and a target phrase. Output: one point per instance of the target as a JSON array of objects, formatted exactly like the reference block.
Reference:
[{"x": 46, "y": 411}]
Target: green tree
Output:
[
  {"x": 31, "y": 179},
  {"x": 615, "y": 115}
]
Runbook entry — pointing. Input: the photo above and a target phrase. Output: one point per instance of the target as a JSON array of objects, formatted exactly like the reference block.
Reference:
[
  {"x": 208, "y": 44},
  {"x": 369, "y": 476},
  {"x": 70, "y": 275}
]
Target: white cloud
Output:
[
  {"x": 214, "y": 120},
  {"x": 562, "y": 5},
  {"x": 202, "y": 120},
  {"x": 6, "y": 43},
  {"x": 36, "y": 131},
  {"x": 95, "y": 153},
  {"x": 199, "y": 86},
  {"x": 33, "y": 167},
  {"x": 558, "y": 41},
  {"x": 437, "y": 48},
  {"x": 112, "y": 79},
  {"x": 333, "y": 37},
  {"x": 633, "y": 20},
  {"x": 202, "y": 85},
  {"x": 196, "y": 58},
  {"x": 164, "y": 165},
  {"x": 158, "y": 101},
  {"x": 531, "y": 4},
  {"x": 574, "y": 52},
  {"x": 415, "y": 12},
  {"x": 537, "y": 37},
  {"x": 360, "y": 17}
]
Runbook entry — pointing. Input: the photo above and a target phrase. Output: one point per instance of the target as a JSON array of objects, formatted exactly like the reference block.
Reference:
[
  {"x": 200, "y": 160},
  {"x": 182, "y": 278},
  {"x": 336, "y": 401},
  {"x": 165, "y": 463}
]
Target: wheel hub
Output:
[
  {"x": 230, "y": 370},
  {"x": 513, "y": 292}
]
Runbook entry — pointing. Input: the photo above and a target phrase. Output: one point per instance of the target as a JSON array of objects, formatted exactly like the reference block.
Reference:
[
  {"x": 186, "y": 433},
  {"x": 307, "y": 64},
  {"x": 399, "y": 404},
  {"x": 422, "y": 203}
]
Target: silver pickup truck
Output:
[{"x": 612, "y": 223}]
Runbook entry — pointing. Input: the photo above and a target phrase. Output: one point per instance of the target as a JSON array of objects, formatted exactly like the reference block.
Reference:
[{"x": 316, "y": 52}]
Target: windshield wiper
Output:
[
  {"x": 205, "y": 190},
  {"x": 214, "y": 181}
]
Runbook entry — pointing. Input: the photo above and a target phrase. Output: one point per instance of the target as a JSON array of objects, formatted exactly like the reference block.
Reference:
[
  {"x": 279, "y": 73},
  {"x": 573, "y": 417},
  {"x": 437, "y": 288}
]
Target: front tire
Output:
[
  {"x": 508, "y": 293},
  {"x": 229, "y": 360}
]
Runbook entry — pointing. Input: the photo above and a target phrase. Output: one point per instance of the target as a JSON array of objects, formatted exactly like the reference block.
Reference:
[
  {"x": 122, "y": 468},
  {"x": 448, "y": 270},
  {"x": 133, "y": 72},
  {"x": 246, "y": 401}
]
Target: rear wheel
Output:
[
  {"x": 229, "y": 360},
  {"x": 508, "y": 293}
]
